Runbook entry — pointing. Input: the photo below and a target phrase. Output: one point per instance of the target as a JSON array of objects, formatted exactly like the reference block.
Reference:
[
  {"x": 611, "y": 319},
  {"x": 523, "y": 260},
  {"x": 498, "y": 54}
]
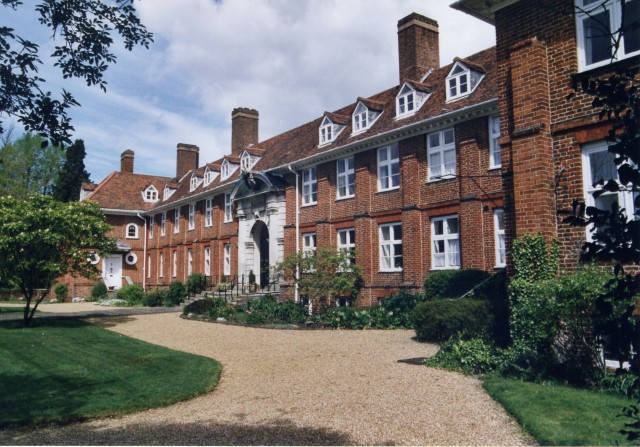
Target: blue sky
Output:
[{"x": 289, "y": 59}]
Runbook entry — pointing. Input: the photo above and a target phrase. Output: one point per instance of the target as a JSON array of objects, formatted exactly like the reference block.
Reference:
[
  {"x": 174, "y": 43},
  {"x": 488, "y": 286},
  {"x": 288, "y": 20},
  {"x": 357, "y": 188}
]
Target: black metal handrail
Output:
[{"x": 229, "y": 287}]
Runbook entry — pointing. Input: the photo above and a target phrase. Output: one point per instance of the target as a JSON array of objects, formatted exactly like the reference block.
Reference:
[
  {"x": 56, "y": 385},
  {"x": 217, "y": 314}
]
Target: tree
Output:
[
  {"x": 86, "y": 29},
  {"x": 72, "y": 174},
  {"x": 42, "y": 239},
  {"x": 323, "y": 275},
  {"x": 26, "y": 168}
]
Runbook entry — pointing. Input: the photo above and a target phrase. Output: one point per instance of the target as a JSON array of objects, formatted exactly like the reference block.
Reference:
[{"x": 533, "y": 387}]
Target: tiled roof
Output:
[{"x": 123, "y": 191}]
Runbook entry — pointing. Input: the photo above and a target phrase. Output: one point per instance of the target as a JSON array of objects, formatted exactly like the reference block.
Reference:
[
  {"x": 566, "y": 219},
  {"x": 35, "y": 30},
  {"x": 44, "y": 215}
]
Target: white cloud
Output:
[{"x": 289, "y": 59}]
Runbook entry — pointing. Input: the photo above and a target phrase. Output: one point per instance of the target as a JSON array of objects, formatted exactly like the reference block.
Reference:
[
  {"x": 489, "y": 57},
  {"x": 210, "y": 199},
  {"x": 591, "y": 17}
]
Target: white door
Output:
[{"x": 112, "y": 272}]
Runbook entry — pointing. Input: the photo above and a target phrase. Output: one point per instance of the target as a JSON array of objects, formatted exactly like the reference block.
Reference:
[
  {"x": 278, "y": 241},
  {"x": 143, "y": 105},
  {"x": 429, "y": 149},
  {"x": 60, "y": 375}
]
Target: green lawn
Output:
[
  {"x": 64, "y": 370},
  {"x": 556, "y": 415},
  {"x": 12, "y": 309}
]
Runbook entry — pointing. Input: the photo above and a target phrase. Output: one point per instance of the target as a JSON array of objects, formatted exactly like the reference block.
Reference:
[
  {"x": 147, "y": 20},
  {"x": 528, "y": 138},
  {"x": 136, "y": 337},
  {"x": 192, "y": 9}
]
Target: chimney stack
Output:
[
  {"x": 126, "y": 161},
  {"x": 187, "y": 158},
  {"x": 418, "y": 46},
  {"x": 244, "y": 129}
]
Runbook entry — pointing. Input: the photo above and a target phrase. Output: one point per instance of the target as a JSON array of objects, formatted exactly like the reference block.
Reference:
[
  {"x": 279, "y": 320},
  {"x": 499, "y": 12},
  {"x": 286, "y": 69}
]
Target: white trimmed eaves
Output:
[
  {"x": 192, "y": 198},
  {"x": 119, "y": 212},
  {"x": 486, "y": 108}
]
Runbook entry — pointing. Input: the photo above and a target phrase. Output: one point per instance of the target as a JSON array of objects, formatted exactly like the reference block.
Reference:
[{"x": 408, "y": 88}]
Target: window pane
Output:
[
  {"x": 438, "y": 227},
  {"x": 602, "y": 166},
  {"x": 450, "y": 162},
  {"x": 598, "y": 37},
  {"x": 463, "y": 83},
  {"x": 434, "y": 139},
  {"x": 395, "y": 152},
  {"x": 631, "y": 27},
  {"x": 382, "y": 154},
  {"x": 397, "y": 261},
  {"x": 448, "y": 136},
  {"x": 605, "y": 201},
  {"x": 452, "y": 225},
  {"x": 454, "y": 252},
  {"x": 397, "y": 232},
  {"x": 385, "y": 233}
]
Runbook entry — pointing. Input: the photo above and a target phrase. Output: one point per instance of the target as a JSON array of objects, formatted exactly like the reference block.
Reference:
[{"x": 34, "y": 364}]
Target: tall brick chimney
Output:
[
  {"x": 418, "y": 46},
  {"x": 126, "y": 161},
  {"x": 187, "y": 158},
  {"x": 244, "y": 129}
]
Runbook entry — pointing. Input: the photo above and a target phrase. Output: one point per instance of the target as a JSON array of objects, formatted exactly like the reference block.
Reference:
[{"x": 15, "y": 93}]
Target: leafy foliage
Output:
[
  {"x": 440, "y": 319},
  {"x": 70, "y": 178},
  {"x": 132, "y": 294},
  {"x": 452, "y": 283},
  {"x": 42, "y": 239},
  {"x": 176, "y": 294},
  {"x": 471, "y": 356},
  {"x": 61, "y": 291},
  {"x": 99, "y": 291},
  {"x": 85, "y": 30},
  {"x": 323, "y": 275},
  {"x": 26, "y": 168},
  {"x": 196, "y": 283}
]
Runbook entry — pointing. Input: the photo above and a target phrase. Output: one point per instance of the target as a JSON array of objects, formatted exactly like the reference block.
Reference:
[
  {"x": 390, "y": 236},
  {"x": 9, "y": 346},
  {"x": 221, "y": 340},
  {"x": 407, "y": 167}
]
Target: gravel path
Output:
[{"x": 299, "y": 388}]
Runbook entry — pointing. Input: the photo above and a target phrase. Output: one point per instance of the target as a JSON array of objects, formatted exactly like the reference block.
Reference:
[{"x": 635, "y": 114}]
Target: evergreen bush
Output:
[
  {"x": 440, "y": 319},
  {"x": 176, "y": 294},
  {"x": 60, "y": 291},
  {"x": 196, "y": 283},
  {"x": 452, "y": 283},
  {"x": 133, "y": 294},
  {"x": 99, "y": 292}
]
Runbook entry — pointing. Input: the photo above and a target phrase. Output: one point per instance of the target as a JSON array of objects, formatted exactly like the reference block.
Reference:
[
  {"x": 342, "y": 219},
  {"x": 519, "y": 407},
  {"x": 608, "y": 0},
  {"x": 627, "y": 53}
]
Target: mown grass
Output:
[
  {"x": 12, "y": 309},
  {"x": 558, "y": 415},
  {"x": 61, "y": 370}
]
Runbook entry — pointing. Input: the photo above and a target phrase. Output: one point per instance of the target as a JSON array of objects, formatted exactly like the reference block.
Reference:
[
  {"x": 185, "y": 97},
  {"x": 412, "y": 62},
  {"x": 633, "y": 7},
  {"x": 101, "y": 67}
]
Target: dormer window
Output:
[
  {"x": 462, "y": 81},
  {"x": 209, "y": 176},
  {"x": 245, "y": 161},
  {"x": 168, "y": 192},
  {"x": 326, "y": 131},
  {"x": 195, "y": 182},
  {"x": 409, "y": 100},
  {"x": 360, "y": 121},
  {"x": 225, "y": 170},
  {"x": 406, "y": 101},
  {"x": 331, "y": 126},
  {"x": 150, "y": 194}
]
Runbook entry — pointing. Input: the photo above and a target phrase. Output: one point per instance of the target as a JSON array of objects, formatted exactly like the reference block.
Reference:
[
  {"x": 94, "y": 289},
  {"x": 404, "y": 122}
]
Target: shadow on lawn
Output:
[
  {"x": 275, "y": 432},
  {"x": 18, "y": 391}
]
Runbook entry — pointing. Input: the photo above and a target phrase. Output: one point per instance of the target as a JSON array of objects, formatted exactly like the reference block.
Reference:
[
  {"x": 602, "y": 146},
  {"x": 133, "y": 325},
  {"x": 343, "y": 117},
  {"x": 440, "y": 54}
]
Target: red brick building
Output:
[{"x": 440, "y": 171}]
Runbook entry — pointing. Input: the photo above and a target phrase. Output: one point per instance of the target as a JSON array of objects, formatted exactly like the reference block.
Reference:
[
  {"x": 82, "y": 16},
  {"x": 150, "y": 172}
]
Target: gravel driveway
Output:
[{"x": 299, "y": 387}]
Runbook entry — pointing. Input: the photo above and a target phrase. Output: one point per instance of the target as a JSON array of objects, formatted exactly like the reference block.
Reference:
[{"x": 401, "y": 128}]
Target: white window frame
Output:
[
  {"x": 438, "y": 149},
  {"x": 225, "y": 170},
  {"x": 386, "y": 181},
  {"x": 448, "y": 237},
  {"x": 174, "y": 267},
  {"x": 346, "y": 179},
  {"x": 207, "y": 261},
  {"x": 227, "y": 260},
  {"x": 309, "y": 243},
  {"x": 624, "y": 198},
  {"x": 346, "y": 241},
  {"x": 176, "y": 220},
  {"x": 161, "y": 265},
  {"x": 163, "y": 223},
  {"x": 135, "y": 231},
  {"x": 500, "y": 237},
  {"x": 192, "y": 217},
  {"x": 150, "y": 194},
  {"x": 614, "y": 8},
  {"x": 326, "y": 132},
  {"x": 406, "y": 102},
  {"x": 151, "y": 222},
  {"x": 456, "y": 81},
  {"x": 495, "y": 156},
  {"x": 387, "y": 245},
  {"x": 208, "y": 212},
  {"x": 360, "y": 119},
  {"x": 189, "y": 262},
  {"x": 168, "y": 192},
  {"x": 245, "y": 161},
  {"x": 309, "y": 186},
  {"x": 228, "y": 208},
  {"x": 195, "y": 182}
]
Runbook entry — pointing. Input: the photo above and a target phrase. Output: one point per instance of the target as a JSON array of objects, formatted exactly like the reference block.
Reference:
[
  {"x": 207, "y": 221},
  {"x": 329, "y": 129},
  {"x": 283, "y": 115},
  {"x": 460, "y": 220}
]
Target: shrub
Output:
[
  {"x": 440, "y": 319},
  {"x": 133, "y": 294},
  {"x": 196, "y": 283},
  {"x": 154, "y": 298},
  {"x": 99, "y": 292},
  {"x": 210, "y": 307},
  {"x": 452, "y": 283},
  {"x": 176, "y": 294},
  {"x": 61, "y": 292},
  {"x": 474, "y": 356},
  {"x": 494, "y": 292}
]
